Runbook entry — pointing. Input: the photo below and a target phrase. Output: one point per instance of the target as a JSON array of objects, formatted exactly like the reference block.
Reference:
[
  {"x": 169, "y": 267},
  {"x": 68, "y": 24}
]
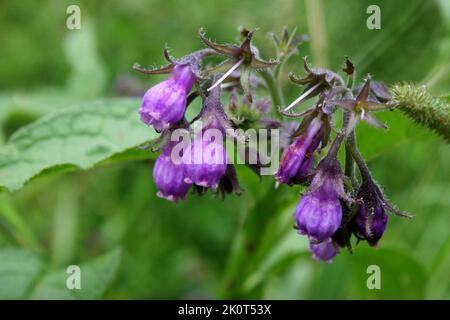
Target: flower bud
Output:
[
  {"x": 325, "y": 250},
  {"x": 297, "y": 160},
  {"x": 165, "y": 103},
  {"x": 372, "y": 219},
  {"x": 169, "y": 177},
  {"x": 319, "y": 212}
]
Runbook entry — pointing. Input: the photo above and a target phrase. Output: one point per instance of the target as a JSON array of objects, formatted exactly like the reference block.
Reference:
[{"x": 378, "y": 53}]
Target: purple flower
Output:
[
  {"x": 169, "y": 176},
  {"x": 319, "y": 212},
  {"x": 325, "y": 250},
  {"x": 371, "y": 223},
  {"x": 372, "y": 219},
  {"x": 206, "y": 159},
  {"x": 297, "y": 159},
  {"x": 165, "y": 103}
]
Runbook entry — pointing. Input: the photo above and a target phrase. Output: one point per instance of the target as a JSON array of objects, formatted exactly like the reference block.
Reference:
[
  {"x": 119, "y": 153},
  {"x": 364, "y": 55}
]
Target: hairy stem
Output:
[
  {"x": 336, "y": 145},
  {"x": 362, "y": 166},
  {"x": 349, "y": 164},
  {"x": 274, "y": 91}
]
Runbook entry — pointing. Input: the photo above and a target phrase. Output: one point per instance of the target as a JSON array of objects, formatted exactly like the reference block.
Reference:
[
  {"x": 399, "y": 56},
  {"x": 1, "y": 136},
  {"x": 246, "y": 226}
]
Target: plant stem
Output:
[
  {"x": 274, "y": 91},
  {"x": 349, "y": 165},
  {"x": 317, "y": 31},
  {"x": 336, "y": 145},
  {"x": 277, "y": 76},
  {"x": 363, "y": 168}
]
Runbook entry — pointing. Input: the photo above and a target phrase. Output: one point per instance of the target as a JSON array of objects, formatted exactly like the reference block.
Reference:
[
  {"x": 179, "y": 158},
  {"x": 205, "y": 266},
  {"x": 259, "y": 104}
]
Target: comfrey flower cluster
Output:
[
  {"x": 337, "y": 204},
  {"x": 202, "y": 164}
]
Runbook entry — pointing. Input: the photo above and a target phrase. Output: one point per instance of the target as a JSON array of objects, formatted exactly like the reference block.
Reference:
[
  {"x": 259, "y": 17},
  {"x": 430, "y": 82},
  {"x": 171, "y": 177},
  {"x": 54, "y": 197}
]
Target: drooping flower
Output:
[
  {"x": 297, "y": 159},
  {"x": 325, "y": 250},
  {"x": 205, "y": 158},
  {"x": 165, "y": 103},
  {"x": 169, "y": 176},
  {"x": 371, "y": 223},
  {"x": 371, "y": 220},
  {"x": 319, "y": 212},
  {"x": 207, "y": 161}
]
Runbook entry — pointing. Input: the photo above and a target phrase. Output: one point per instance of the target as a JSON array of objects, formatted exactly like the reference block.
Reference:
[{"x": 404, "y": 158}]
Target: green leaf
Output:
[
  {"x": 331, "y": 281},
  {"x": 96, "y": 275},
  {"x": 402, "y": 276},
  {"x": 77, "y": 137},
  {"x": 16, "y": 225},
  {"x": 86, "y": 80},
  {"x": 25, "y": 275},
  {"x": 438, "y": 286},
  {"x": 18, "y": 271}
]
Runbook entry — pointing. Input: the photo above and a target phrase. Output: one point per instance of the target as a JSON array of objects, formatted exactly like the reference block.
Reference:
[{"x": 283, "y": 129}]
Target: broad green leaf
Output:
[
  {"x": 25, "y": 275},
  {"x": 96, "y": 275},
  {"x": 16, "y": 225},
  {"x": 438, "y": 286},
  {"x": 77, "y": 137},
  {"x": 86, "y": 80},
  {"x": 31, "y": 104},
  {"x": 19, "y": 269},
  {"x": 402, "y": 276},
  {"x": 331, "y": 281}
]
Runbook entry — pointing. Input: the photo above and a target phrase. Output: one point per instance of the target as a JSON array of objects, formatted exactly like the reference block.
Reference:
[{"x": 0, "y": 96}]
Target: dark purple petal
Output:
[
  {"x": 371, "y": 223},
  {"x": 304, "y": 170},
  {"x": 297, "y": 159},
  {"x": 325, "y": 250}
]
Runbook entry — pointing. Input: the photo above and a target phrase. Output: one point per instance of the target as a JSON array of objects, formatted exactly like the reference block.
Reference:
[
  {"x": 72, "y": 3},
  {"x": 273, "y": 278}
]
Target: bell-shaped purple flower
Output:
[
  {"x": 165, "y": 103},
  {"x": 169, "y": 176},
  {"x": 319, "y": 212},
  {"x": 371, "y": 223},
  {"x": 372, "y": 219},
  {"x": 206, "y": 159},
  {"x": 297, "y": 159},
  {"x": 325, "y": 250}
]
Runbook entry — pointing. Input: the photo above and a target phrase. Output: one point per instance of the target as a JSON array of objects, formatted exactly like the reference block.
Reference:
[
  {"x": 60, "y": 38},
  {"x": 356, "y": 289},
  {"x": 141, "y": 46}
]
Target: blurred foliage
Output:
[{"x": 243, "y": 247}]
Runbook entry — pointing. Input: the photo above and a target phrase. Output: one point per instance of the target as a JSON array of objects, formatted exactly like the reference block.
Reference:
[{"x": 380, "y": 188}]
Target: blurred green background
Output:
[{"x": 137, "y": 246}]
